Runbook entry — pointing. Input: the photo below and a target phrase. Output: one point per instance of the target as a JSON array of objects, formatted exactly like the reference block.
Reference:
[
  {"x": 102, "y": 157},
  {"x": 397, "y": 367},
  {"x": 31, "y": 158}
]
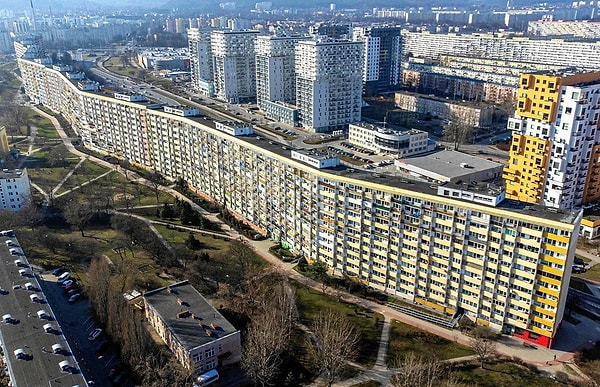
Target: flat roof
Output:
[
  {"x": 42, "y": 368},
  {"x": 451, "y": 164},
  {"x": 191, "y": 329},
  {"x": 11, "y": 174}
]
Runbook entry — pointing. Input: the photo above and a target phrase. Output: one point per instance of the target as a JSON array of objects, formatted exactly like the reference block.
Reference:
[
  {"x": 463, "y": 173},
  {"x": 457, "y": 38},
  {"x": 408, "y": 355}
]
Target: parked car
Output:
[
  {"x": 94, "y": 334},
  {"x": 102, "y": 347},
  {"x": 59, "y": 270},
  {"x": 67, "y": 283},
  {"x": 578, "y": 269},
  {"x": 74, "y": 298}
]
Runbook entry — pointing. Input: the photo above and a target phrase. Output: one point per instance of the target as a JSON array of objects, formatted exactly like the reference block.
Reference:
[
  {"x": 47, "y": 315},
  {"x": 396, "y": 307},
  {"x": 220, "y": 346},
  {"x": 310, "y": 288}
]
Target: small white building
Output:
[
  {"x": 316, "y": 158},
  {"x": 234, "y": 128},
  {"x": 14, "y": 189},
  {"x": 130, "y": 97},
  {"x": 183, "y": 111}
]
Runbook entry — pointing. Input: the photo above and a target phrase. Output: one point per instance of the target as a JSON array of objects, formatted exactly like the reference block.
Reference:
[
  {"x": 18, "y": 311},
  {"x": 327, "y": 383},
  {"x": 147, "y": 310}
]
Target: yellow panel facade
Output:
[{"x": 526, "y": 170}]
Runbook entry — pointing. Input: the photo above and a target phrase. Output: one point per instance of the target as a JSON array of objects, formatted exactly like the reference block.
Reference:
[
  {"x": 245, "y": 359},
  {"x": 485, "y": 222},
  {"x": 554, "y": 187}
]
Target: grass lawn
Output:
[
  {"x": 44, "y": 126},
  {"x": 209, "y": 243},
  {"x": 406, "y": 339},
  {"x": 115, "y": 65},
  {"x": 48, "y": 178},
  {"x": 85, "y": 172},
  {"x": 125, "y": 193},
  {"x": 66, "y": 247},
  {"x": 368, "y": 323},
  {"x": 500, "y": 374}
]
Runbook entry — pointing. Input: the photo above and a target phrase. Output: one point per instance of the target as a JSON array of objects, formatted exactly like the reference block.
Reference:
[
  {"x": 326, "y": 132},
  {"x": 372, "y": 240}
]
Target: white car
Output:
[{"x": 94, "y": 334}]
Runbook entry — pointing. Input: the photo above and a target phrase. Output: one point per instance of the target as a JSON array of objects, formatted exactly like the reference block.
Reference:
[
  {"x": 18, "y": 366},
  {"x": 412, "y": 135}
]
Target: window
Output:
[{"x": 209, "y": 353}]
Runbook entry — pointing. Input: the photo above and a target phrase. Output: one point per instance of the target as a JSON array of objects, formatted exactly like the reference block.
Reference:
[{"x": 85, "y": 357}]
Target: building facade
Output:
[
  {"x": 275, "y": 69},
  {"x": 474, "y": 116},
  {"x": 381, "y": 69},
  {"x": 505, "y": 266},
  {"x": 553, "y": 159},
  {"x": 564, "y": 53},
  {"x": 198, "y": 335},
  {"x": 401, "y": 143},
  {"x": 234, "y": 66},
  {"x": 201, "y": 64},
  {"x": 328, "y": 83},
  {"x": 15, "y": 189}
]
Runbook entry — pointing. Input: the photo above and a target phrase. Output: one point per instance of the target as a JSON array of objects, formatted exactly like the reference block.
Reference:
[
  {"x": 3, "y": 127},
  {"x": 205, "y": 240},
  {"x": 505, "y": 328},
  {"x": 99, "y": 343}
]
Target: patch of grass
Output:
[
  {"x": 66, "y": 247},
  {"x": 500, "y": 373},
  {"x": 588, "y": 361},
  {"x": 43, "y": 124},
  {"x": 48, "y": 178},
  {"x": 405, "y": 339},
  {"x": 368, "y": 323},
  {"x": 209, "y": 243},
  {"x": 592, "y": 274}
]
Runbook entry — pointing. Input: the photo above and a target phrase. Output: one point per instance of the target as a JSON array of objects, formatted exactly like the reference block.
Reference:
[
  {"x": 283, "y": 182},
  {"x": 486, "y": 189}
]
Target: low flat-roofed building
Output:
[
  {"x": 183, "y": 111},
  {"x": 590, "y": 226},
  {"x": 199, "y": 336},
  {"x": 130, "y": 97},
  {"x": 234, "y": 128},
  {"x": 402, "y": 143},
  {"x": 480, "y": 115},
  {"x": 316, "y": 158},
  {"x": 450, "y": 166}
]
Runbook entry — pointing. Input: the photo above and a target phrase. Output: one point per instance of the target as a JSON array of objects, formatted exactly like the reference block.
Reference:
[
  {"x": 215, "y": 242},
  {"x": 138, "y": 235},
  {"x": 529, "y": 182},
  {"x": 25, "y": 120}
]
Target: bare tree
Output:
[
  {"x": 418, "y": 371},
  {"x": 459, "y": 130},
  {"x": 269, "y": 334},
  {"x": 483, "y": 344},
  {"x": 334, "y": 343}
]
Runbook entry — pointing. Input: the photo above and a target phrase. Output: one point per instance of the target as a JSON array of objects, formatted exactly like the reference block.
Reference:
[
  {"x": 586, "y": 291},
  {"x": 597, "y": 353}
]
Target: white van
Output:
[
  {"x": 207, "y": 378},
  {"x": 63, "y": 277}
]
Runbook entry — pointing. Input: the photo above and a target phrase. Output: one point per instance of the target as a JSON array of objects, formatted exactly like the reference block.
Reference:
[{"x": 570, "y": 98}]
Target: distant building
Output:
[
  {"x": 473, "y": 115},
  {"x": 328, "y": 83},
  {"x": 275, "y": 69},
  {"x": 199, "y": 336},
  {"x": 201, "y": 63},
  {"x": 15, "y": 189},
  {"x": 234, "y": 65},
  {"x": 381, "y": 69},
  {"x": 29, "y": 46}
]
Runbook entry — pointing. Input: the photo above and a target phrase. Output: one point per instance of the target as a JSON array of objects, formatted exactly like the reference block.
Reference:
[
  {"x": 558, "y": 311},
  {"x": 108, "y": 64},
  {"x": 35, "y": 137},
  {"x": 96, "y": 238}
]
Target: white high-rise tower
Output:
[{"x": 328, "y": 83}]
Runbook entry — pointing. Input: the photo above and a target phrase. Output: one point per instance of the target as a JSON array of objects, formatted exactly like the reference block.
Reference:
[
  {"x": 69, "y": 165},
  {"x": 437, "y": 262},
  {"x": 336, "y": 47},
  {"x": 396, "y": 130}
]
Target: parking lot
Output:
[{"x": 77, "y": 324}]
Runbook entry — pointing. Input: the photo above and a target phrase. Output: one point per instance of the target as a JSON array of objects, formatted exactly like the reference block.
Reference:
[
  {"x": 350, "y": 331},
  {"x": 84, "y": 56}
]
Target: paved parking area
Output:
[{"x": 77, "y": 323}]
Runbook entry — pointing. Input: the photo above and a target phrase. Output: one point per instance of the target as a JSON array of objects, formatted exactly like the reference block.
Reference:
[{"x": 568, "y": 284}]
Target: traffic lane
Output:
[{"x": 76, "y": 323}]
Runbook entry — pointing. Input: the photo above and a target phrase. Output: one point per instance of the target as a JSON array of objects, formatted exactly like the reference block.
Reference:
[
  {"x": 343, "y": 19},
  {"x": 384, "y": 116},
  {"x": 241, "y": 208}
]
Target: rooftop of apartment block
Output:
[
  {"x": 450, "y": 163},
  {"x": 11, "y": 173},
  {"x": 188, "y": 315}
]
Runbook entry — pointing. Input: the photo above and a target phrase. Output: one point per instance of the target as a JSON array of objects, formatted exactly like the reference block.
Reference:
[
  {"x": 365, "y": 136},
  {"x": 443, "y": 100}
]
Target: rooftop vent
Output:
[{"x": 184, "y": 314}]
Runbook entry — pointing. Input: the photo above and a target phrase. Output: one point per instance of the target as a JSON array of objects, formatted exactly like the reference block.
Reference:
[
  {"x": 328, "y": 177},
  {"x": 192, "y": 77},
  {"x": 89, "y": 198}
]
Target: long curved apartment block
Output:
[{"x": 506, "y": 266}]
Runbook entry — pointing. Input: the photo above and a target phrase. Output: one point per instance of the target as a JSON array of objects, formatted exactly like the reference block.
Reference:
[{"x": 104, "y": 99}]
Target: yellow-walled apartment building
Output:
[
  {"x": 554, "y": 156},
  {"x": 505, "y": 266}
]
